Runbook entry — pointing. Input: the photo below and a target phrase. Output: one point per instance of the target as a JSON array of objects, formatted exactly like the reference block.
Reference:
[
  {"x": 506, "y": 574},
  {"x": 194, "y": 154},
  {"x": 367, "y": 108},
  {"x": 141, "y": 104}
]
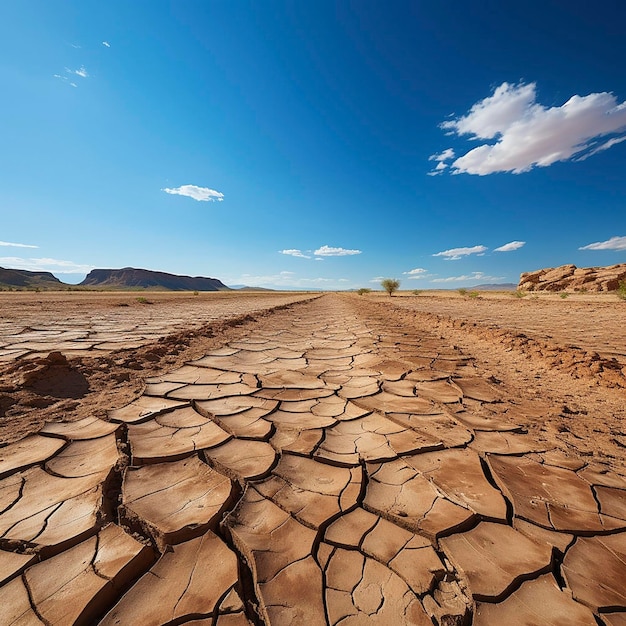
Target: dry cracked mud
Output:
[{"x": 333, "y": 463}]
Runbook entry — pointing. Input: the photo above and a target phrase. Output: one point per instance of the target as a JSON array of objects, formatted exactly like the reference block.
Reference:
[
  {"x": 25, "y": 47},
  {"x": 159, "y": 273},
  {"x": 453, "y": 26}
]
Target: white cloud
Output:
[
  {"x": 467, "y": 277},
  {"x": 614, "y": 243},
  {"x": 81, "y": 71},
  {"x": 446, "y": 155},
  {"x": 329, "y": 251},
  {"x": 454, "y": 254},
  {"x": 201, "y": 194},
  {"x": 286, "y": 280},
  {"x": 528, "y": 134},
  {"x": 377, "y": 279},
  {"x": 509, "y": 247},
  {"x": 66, "y": 79},
  {"x": 605, "y": 146},
  {"x": 417, "y": 273},
  {"x": 56, "y": 266},
  {"x": 295, "y": 252},
  {"x": 17, "y": 245},
  {"x": 106, "y": 44}
]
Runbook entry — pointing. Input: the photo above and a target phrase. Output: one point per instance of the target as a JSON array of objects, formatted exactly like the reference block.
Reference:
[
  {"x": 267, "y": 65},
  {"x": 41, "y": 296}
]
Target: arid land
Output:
[{"x": 269, "y": 458}]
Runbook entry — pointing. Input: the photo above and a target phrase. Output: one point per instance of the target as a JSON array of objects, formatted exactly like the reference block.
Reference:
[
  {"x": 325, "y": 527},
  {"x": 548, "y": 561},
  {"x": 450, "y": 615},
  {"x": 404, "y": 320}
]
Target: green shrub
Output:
[
  {"x": 363, "y": 290},
  {"x": 416, "y": 292},
  {"x": 390, "y": 285},
  {"x": 621, "y": 290},
  {"x": 519, "y": 294},
  {"x": 564, "y": 295},
  {"x": 473, "y": 294},
  {"x": 462, "y": 291}
]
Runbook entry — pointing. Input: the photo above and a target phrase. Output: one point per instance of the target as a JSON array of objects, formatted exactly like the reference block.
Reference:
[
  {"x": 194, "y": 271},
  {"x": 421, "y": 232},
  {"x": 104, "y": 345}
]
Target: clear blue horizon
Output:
[{"x": 313, "y": 145}]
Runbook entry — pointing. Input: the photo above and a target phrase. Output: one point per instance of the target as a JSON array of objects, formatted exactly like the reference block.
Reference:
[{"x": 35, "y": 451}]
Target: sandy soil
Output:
[{"x": 290, "y": 459}]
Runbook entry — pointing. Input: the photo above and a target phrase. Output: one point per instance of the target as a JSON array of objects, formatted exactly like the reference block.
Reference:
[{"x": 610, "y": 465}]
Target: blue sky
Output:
[{"x": 313, "y": 144}]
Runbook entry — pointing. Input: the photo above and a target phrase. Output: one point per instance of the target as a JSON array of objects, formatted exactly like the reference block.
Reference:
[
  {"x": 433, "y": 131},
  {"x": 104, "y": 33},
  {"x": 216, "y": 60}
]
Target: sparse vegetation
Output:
[
  {"x": 473, "y": 294},
  {"x": 621, "y": 290},
  {"x": 519, "y": 294},
  {"x": 462, "y": 291},
  {"x": 195, "y": 293},
  {"x": 143, "y": 300},
  {"x": 416, "y": 292},
  {"x": 564, "y": 295},
  {"x": 363, "y": 290},
  {"x": 390, "y": 285}
]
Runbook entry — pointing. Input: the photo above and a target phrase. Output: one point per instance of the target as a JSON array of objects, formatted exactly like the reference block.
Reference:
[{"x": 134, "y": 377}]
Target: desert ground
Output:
[{"x": 269, "y": 458}]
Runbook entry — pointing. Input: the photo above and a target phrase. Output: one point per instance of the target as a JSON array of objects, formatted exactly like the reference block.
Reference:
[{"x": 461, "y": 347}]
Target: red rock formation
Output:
[{"x": 572, "y": 278}]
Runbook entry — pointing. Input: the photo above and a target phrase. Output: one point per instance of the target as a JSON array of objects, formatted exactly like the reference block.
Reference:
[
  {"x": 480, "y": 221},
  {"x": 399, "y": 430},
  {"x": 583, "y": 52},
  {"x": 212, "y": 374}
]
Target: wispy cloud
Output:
[
  {"x": 201, "y": 194},
  {"x": 81, "y": 71},
  {"x": 287, "y": 280},
  {"x": 106, "y": 44},
  {"x": 56, "y": 266},
  {"x": 295, "y": 252},
  {"x": 604, "y": 146},
  {"x": 509, "y": 247},
  {"x": 467, "y": 277},
  {"x": 441, "y": 159},
  {"x": 330, "y": 251},
  {"x": 66, "y": 80},
  {"x": 454, "y": 254},
  {"x": 17, "y": 245},
  {"x": 614, "y": 243},
  {"x": 527, "y": 134}
]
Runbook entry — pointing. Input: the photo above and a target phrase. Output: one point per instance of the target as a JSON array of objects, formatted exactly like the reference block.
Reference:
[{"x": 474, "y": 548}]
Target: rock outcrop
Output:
[{"x": 572, "y": 278}]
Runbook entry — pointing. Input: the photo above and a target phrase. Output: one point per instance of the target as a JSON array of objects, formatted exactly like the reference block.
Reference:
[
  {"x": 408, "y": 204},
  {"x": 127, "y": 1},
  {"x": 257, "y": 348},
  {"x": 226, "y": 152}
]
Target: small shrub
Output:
[
  {"x": 519, "y": 294},
  {"x": 363, "y": 290},
  {"x": 390, "y": 285},
  {"x": 462, "y": 291},
  {"x": 143, "y": 300},
  {"x": 621, "y": 290},
  {"x": 564, "y": 295},
  {"x": 473, "y": 294},
  {"x": 583, "y": 290},
  {"x": 195, "y": 293},
  {"x": 416, "y": 292}
]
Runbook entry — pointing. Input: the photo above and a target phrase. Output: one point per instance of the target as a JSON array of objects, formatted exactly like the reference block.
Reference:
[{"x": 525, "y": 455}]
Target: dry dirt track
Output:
[{"x": 337, "y": 462}]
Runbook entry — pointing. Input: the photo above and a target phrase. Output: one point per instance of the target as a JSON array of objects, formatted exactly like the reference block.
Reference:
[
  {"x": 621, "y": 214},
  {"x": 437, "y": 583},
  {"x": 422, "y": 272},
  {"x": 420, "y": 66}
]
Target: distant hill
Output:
[
  {"x": 28, "y": 280},
  {"x": 130, "y": 277},
  {"x": 496, "y": 287}
]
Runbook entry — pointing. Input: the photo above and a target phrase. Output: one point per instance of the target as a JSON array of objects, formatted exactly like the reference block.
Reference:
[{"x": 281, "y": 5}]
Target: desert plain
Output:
[{"x": 287, "y": 458}]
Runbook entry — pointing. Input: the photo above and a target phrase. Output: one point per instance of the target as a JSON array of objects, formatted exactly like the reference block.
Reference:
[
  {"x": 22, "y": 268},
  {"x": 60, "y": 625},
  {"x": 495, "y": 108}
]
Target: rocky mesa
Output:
[
  {"x": 129, "y": 277},
  {"x": 572, "y": 278}
]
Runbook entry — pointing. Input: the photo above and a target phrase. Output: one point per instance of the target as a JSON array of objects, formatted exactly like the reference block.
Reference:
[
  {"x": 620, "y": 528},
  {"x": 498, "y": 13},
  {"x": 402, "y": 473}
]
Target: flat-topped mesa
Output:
[
  {"x": 132, "y": 277},
  {"x": 572, "y": 278}
]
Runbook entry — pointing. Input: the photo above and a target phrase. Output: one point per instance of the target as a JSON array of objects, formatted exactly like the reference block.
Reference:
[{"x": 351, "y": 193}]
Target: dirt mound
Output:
[
  {"x": 51, "y": 376},
  {"x": 572, "y": 278}
]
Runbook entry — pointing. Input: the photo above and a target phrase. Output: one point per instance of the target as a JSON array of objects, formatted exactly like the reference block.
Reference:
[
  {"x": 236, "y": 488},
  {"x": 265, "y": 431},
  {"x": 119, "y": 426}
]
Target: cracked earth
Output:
[{"x": 336, "y": 462}]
